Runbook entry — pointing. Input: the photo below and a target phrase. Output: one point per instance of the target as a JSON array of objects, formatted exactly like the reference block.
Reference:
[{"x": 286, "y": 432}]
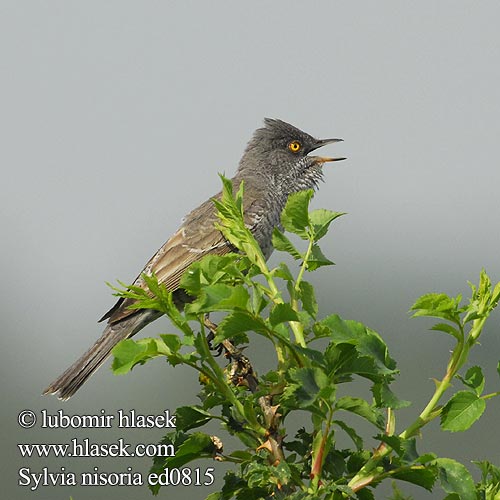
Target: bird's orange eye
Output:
[{"x": 295, "y": 146}]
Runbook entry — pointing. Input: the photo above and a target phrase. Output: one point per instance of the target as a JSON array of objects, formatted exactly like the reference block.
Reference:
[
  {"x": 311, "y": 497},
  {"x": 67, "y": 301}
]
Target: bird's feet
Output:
[
  {"x": 241, "y": 371},
  {"x": 212, "y": 330}
]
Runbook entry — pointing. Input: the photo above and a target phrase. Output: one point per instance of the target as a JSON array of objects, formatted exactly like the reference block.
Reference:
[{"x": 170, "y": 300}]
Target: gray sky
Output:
[{"x": 115, "y": 119}]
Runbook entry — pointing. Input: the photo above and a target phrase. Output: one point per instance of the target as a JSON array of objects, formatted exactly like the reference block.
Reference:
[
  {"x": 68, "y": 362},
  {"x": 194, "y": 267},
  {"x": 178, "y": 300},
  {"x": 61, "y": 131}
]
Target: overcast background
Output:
[{"x": 115, "y": 118}]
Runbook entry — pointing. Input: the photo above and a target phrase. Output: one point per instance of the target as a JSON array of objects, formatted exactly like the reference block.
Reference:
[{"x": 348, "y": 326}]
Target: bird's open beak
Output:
[
  {"x": 323, "y": 142},
  {"x": 324, "y": 159}
]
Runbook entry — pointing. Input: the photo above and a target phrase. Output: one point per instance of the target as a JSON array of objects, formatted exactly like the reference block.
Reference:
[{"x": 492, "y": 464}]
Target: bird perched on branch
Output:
[{"x": 275, "y": 164}]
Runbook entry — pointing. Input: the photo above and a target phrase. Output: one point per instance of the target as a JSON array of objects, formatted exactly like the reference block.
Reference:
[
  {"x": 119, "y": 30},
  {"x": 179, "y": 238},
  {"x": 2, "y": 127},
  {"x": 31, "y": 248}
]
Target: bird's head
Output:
[{"x": 280, "y": 152}]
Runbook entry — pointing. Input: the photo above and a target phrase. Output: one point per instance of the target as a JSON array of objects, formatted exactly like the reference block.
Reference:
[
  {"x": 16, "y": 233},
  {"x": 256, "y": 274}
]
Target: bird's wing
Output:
[{"x": 196, "y": 238}]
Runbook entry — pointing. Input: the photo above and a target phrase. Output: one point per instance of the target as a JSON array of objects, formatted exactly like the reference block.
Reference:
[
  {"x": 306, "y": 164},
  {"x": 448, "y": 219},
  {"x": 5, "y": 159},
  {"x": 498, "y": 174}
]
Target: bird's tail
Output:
[{"x": 78, "y": 373}]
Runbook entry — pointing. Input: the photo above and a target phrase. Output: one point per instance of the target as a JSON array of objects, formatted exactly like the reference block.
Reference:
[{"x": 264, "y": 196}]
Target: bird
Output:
[{"x": 275, "y": 164}]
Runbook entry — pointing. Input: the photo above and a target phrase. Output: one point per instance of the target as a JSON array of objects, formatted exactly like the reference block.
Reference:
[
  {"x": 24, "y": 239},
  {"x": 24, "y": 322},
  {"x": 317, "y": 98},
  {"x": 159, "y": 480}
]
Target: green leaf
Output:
[
  {"x": 341, "y": 359},
  {"x": 483, "y": 300},
  {"x": 158, "y": 289},
  {"x": 230, "y": 205},
  {"x": 495, "y": 295},
  {"x": 306, "y": 385},
  {"x": 367, "y": 342},
  {"x": 385, "y": 398},
  {"x": 172, "y": 342},
  {"x": 281, "y": 313},
  {"x": 364, "y": 494},
  {"x": 409, "y": 447},
  {"x": 313, "y": 355},
  {"x": 209, "y": 270},
  {"x": 498, "y": 368},
  {"x": 317, "y": 259},
  {"x": 455, "y": 478},
  {"x": 295, "y": 216},
  {"x": 405, "y": 448},
  {"x": 438, "y": 305},
  {"x": 196, "y": 444},
  {"x": 283, "y": 272},
  {"x": 446, "y": 328},
  {"x": 308, "y": 298},
  {"x": 231, "y": 223},
  {"x": 239, "y": 322},
  {"x": 154, "y": 296},
  {"x": 220, "y": 297},
  {"x": 129, "y": 353},
  {"x": 320, "y": 221},
  {"x": 426, "y": 457},
  {"x": 489, "y": 485},
  {"x": 356, "y": 439},
  {"x": 420, "y": 475},
  {"x": 259, "y": 301},
  {"x": 461, "y": 411},
  {"x": 488, "y": 471},
  {"x": 474, "y": 379},
  {"x": 362, "y": 408},
  {"x": 282, "y": 332},
  {"x": 190, "y": 417},
  {"x": 283, "y": 244},
  {"x": 302, "y": 445},
  {"x": 188, "y": 447}
]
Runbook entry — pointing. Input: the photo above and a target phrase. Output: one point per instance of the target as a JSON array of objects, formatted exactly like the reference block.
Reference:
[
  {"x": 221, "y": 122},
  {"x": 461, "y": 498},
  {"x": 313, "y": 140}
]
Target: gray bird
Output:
[{"x": 274, "y": 165}]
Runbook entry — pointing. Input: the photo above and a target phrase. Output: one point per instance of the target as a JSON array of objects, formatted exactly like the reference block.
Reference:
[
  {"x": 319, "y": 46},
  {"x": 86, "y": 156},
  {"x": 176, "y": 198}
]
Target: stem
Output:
[
  {"x": 297, "y": 328},
  {"x": 280, "y": 354},
  {"x": 252, "y": 248},
  {"x": 298, "y": 331},
  {"x": 304, "y": 265},
  {"x": 458, "y": 357},
  {"x": 277, "y": 299},
  {"x": 477, "y": 327},
  {"x": 428, "y": 412},
  {"x": 218, "y": 378},
  {"x": 274, "y": 294},
  {"x": 491, "y": 395},
  {"x": 365, "y": 476},
  {"x": 319, "y": 459}
]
